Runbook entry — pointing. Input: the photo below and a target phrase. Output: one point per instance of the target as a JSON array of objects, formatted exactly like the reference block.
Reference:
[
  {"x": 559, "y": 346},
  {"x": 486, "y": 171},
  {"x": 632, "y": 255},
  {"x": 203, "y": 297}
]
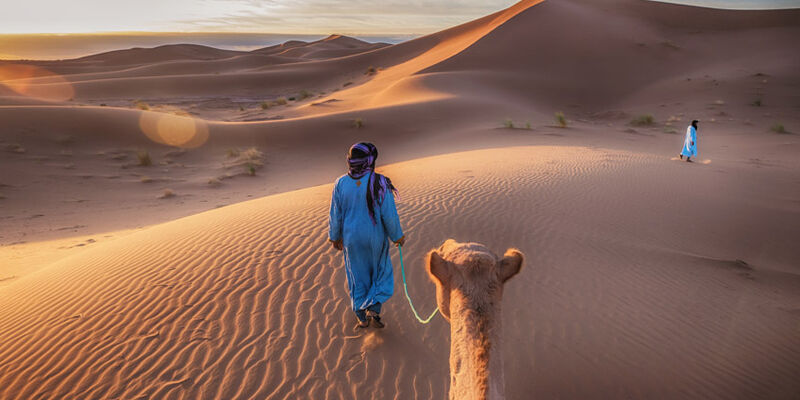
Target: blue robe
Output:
[
  {"x": 690, "y": 142},
  {"x": 370, "y": 277}
]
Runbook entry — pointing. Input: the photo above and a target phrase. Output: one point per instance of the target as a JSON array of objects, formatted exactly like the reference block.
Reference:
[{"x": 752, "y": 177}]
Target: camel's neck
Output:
[{"x": 476, "y": 363}]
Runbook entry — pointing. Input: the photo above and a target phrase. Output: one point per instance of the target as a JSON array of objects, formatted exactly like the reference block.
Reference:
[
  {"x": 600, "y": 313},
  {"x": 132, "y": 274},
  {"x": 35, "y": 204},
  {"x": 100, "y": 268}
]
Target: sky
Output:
[
  {"x": 354, "y": 17},
  {"x": 63, "y": 29}
]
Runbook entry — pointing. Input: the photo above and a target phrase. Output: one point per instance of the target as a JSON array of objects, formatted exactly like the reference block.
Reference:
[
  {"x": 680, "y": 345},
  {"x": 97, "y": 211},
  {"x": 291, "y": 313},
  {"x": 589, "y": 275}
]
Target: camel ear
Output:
[
  {"x": 510, "y": 265},
  {"x": 439, "y": 272},
  {"x": 438, "y": 269}
]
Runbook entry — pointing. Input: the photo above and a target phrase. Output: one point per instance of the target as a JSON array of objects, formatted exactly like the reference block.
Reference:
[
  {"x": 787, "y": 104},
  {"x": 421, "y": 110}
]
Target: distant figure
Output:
[
  {"x": 363, "y": 219},
  {"x": 690, "y": 142}
]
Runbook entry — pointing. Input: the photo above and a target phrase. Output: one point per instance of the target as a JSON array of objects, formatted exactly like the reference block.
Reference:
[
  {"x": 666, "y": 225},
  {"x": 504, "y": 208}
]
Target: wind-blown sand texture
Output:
[{"x": 645, "y": 277}]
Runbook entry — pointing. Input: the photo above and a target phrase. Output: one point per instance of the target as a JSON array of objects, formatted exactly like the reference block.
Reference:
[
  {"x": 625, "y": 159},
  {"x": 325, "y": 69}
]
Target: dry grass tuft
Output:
[
  {"x": 144, "y": 158},
  {"x": 250, "y": 160},
  {"x": 358, "y": 123},
  {"x": 15, "y": 148},
  {"x": 168, "y": 193},
  {"x": 779, "y": 128},
  {"x": 643, "y": 120},
  {"x": 64, "y": 139},
  {"x": 670, "y": 45},
  {"x": 561, "y": 120}
]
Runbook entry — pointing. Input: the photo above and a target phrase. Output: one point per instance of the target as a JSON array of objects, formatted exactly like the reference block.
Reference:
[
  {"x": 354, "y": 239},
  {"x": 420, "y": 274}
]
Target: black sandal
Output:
[
  {"x": 376, "y": 318},
  {"x": 362, "y": 324}
]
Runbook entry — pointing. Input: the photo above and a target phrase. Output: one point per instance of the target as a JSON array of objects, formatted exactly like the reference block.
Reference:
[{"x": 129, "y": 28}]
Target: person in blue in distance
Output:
[
  {"x": 690, "y": 142},
  {"x": 363, "y": 219}
]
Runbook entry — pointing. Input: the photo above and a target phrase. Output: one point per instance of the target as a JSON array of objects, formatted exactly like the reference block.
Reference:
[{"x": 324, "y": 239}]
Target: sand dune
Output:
[
  {"x": 646, "y": 277},
  {"x": 248, "y": 301},
  {"x": 626, "y": 45}
]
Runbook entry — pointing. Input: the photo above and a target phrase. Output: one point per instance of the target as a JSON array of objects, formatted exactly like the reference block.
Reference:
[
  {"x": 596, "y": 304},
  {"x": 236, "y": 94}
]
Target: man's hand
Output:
[
  {"x": 337, "y": 244},
  {"x": 692, "y": 143},
  {"x": 400, "y": 242}
]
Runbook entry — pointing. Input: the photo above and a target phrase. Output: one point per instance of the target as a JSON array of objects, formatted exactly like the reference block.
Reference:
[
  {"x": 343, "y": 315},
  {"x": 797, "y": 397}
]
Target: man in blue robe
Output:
[
  {"x": 363, "y": 218},
  {"x": 690, "y": 142}
]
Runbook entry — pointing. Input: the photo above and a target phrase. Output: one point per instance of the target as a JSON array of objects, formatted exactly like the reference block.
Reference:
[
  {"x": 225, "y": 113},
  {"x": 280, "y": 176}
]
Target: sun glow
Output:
[
  {"x": 35, "y": 82},
  {"x": 173, "y": 130}
]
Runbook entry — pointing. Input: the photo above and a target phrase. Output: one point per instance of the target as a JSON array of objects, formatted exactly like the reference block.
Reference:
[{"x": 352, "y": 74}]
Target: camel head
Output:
[{"x": 470, "y": 274}]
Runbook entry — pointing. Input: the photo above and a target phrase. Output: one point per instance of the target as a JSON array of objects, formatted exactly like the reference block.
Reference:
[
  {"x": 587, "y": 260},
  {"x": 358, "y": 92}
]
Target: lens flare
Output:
[
  {"x": 173, "y": 130},
  {"x": 35, "y": 82}
]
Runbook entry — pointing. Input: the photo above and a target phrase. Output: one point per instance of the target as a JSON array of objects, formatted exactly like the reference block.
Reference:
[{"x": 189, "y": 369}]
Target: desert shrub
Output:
[
  {"x": 146, "y": 179},
  {"x": 64, "y": 139},
  {"x": 103, "y": 104},
  {"x": 669, "y": 44},
  {"x": 304, "y": 94},
  {"x": 214, "y": 182},
  {"x": 248, "y": 159},
  {"x": 144, "y": 158},
  {"x": 371, "y": 71},
  {"x": 264, "y": 106},
  {"x": 561, "y": 120},
  {"x": 15, "y": 148},
  {"x": 251, "y": 154},
  {"x": 643, "y": 120},
  {"x": 346, "y": 84},
  {"x": 292, "y": 98},
  {"x": 778, "y": 128},
  {"x": 281, "y": 101},
  {"x": 528, "y": 125},
  {"x": 757, "y": 103},
  {"x": 167, "y": 194},
  {"x": 508, "y": 123},
  {"x": 358, "y": 123},
  {"x": 142, "y": 105}
]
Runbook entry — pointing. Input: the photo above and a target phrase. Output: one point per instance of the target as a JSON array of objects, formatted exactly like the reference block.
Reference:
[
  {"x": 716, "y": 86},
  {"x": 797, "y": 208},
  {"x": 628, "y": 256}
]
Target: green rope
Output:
[{"x": 405, "y": 288}]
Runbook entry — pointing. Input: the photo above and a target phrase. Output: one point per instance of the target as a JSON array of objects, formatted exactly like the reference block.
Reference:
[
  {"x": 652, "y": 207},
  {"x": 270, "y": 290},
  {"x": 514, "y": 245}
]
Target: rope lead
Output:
[{"x": 405, "y": 288}]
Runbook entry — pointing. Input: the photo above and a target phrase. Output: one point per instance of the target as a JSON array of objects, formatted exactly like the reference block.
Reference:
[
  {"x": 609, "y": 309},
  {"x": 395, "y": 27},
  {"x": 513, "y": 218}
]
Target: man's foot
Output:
[
  {"x": 688, "y": 159},
  {"x": 681, "y": 156},
  {"x": 376, "y": 319},
  {"x": 362, "y": 324}
]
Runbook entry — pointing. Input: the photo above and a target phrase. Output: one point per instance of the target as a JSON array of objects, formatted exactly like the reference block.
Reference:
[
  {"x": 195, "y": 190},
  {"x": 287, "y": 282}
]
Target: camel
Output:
[{"x": 469, "y": 289}]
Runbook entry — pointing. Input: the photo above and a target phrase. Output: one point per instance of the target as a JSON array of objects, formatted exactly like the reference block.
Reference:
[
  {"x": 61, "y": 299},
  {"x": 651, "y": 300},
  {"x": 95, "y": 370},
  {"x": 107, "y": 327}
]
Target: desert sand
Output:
[{"x": 163, "y": 212}]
